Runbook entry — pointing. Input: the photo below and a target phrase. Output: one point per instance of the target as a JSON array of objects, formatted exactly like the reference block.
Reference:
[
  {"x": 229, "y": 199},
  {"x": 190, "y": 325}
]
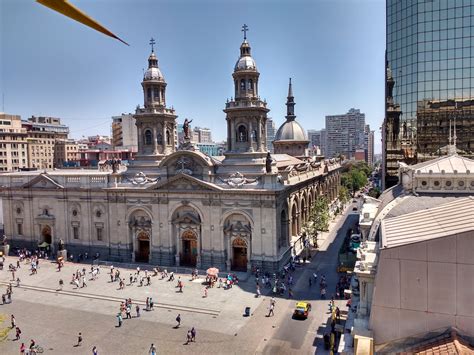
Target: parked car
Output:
[{"x": 302, "y": 310}]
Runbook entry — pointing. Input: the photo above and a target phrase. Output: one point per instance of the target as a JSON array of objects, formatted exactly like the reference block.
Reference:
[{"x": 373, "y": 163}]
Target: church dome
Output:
[
  {"x": 245, "y": 63},
  {"x": 153, "y": 74},
  {"x": 291, "y": 131}
]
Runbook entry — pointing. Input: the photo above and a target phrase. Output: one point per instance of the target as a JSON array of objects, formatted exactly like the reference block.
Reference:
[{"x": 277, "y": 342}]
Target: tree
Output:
[
  {"x": 318, "y": 219},
  {"x": 343, "y": 195},
  {"x": 375, "y": 192}
]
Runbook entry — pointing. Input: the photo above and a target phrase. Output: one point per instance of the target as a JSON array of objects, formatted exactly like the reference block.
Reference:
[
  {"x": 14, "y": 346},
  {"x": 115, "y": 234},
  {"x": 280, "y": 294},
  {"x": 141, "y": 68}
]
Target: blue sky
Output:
[{"x": 53, "y": 66}]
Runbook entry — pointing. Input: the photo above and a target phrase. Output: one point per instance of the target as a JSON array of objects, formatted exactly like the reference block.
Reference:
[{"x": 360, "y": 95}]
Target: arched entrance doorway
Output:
[
  {"x": 46, "y": 234},
  {"x": 143, "y": 247},
  {"x": 189, "y": 249},
  {"x": 239, "y": 254}
]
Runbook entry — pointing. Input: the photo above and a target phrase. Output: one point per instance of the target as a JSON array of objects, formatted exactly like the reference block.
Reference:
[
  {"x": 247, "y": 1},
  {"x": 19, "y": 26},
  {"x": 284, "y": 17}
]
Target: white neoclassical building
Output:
[{"x": 175, "y": 205}]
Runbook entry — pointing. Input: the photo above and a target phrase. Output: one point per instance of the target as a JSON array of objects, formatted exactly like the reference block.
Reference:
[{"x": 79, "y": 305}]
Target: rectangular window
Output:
[
  {"x": 75, "y": 232},
  {"x": 20, "y": 229},
  {"x": 99, "y": 234}
]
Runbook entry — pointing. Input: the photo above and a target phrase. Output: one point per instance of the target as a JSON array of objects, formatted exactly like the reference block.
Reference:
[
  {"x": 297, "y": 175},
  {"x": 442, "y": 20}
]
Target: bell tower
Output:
[
  {"x": 246, "y": 113},
  {"x": 246, "y": 116},
  {"x": 156, "y": 123}
]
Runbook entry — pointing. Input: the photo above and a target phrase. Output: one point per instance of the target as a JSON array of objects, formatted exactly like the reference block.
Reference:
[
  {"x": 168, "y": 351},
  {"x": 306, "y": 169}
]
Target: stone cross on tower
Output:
[
  {"x": 152, "y": 44},
  {"x": 245, "y": 28}
]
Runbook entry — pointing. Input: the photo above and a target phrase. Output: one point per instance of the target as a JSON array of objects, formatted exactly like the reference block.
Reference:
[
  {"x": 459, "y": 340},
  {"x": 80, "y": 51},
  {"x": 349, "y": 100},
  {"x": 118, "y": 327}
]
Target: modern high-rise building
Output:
[
  {"x": 13, "y": 143},
  {"x": 124, "y": 132},
  {"x": 429, "y": 81},
  {"x": 369, "y": 145},
  {"x": 317, "y": 139},
  {"x": 271, "y": 131},
  {"x": 345, "y": 133}
]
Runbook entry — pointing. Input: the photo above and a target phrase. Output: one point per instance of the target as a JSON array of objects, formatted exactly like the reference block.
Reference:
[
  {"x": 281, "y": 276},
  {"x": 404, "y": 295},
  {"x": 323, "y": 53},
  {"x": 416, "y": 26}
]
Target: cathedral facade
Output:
[{"x": 174, "y": 205}]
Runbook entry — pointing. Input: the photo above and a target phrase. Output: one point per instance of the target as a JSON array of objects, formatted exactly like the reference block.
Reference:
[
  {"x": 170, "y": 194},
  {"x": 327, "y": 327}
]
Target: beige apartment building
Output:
[
  {"x": 65, "y": 150},
  {"x": 13, "y": 143},
  {"x": 42, "y": 135}
]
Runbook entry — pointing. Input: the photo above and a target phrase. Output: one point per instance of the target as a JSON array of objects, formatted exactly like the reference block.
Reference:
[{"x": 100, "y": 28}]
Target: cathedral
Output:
[{"x": 174, "y": 205}]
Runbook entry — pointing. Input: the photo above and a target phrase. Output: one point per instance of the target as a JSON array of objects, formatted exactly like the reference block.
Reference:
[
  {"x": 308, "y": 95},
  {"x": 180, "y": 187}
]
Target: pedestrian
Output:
[
  {"x": 79, "y": 339},
  {"x": 270, "y": 310},
  {"x": 147, "y": 305},
  {"x": 84, "y": 281},
  {"x": 178, "y": 320},
  {"x": 18, "y": 333},
  {"x": 129, "y": 313},
  {"x": 22, "y": 348},
  {"x": 193, "y": 334},
  {"x": 151, "y": 304},
  {"x": 13, "y": 320},
  {"x": 188, "y": 337},
  {"x": 180, "y": 285},
  {"x": 137, "y": 309},
  {"x": 258, "y": 291},
  {"x": 152, "y": 350},
  {"x": 61, "y": 284},
  {"x": 94, "y": 351},
  {"x": 17, "y": 282},
  {"x": 205, "y": 292},
  {"x": 119, "y": 318},
  {"x": 18, "y": 264}
]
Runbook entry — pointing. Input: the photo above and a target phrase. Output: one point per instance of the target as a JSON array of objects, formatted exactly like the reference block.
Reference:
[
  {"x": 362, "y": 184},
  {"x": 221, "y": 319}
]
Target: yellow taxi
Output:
[{"x": 302, "y": 310}]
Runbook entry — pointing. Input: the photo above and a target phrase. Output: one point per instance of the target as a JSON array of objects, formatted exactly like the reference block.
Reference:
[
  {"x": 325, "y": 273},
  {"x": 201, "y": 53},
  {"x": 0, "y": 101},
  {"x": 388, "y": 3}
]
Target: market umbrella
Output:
[
  {"x": 43, "y": 245},
  {"x": 213, "y": 271}
]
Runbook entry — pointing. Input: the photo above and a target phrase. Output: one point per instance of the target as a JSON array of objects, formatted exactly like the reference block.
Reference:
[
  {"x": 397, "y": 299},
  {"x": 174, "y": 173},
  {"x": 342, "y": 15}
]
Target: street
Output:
[{"x": 305, "y": 336}]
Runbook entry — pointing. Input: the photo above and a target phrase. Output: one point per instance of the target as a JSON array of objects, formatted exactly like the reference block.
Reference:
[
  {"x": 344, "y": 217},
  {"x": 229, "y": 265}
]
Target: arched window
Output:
[
  {"x": 159, "y": 139},
  {"x": 242, "y": 85},
  {"x": 168, "y": 137},
  {"x": 148, "y": 139},
  {"x": 236, "y": 85},
  {"x": 242, "y": 135},
  {"x": 156, "y": 94},
  {"x": 250, "y": 86},
  {"x": 148, "y": 92}
]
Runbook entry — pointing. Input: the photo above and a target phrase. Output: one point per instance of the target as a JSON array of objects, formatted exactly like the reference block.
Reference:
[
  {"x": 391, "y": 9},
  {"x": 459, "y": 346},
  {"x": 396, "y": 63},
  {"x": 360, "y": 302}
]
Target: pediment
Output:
[
  {"x": 184, "y": 182},
  {"x": 42, "y": 181}
]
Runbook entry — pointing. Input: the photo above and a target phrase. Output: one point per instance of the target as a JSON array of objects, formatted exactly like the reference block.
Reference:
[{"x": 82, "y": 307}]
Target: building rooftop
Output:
[{"x": 443, "y": 220}]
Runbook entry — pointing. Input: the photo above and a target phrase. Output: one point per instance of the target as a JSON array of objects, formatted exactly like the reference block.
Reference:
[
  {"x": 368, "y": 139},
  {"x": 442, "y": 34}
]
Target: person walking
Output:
[
  {"x": 271, "y": 310},
  {"x": 188, "y": 337},
  {"x": 13, "y": 321},
  {"x": 61, "y": 284},
  {"x": 128, "y": 312},
  {"x": 193, "y": 334},
  {"x": 151, "y": 305},
  {"x": 95, "y": 351},
  {"x": 152, "y": 350},
  {"x": 79, "y": 339},
  {"x": 18, "y": 333},
  {"x": 22, "y": 348},
  {"x": 178, "y": 320},
  {"x": 119, "y": 318},
  {"x": 137, "y": 309}
]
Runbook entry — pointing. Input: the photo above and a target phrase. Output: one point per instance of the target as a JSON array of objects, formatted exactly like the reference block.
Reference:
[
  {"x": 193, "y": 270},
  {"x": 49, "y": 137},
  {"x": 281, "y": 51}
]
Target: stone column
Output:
[
  {"x": 176, "y": 230},
  {"x": 232, "y": 136},
  {"x": 155, "y": 147},
  {"x": 259, "y": 134}
]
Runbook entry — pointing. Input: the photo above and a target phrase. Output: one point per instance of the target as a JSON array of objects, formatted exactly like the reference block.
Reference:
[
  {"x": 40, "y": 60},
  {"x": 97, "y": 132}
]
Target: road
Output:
[{"x": 305, "y": 336}]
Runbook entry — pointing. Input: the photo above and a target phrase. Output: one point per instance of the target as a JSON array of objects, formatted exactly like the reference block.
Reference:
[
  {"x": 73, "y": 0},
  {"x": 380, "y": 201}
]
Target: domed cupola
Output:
[
  {"x": 153, "y": 72},
  {"x": 245, "y": 62},
  {"x": 291, "y": 138},
  {"x": 154, "y": 85}
]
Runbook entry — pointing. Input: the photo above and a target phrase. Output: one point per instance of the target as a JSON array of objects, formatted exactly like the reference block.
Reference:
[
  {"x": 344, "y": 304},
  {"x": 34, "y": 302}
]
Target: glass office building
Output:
[{"x": 431, "y": 70}]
